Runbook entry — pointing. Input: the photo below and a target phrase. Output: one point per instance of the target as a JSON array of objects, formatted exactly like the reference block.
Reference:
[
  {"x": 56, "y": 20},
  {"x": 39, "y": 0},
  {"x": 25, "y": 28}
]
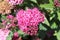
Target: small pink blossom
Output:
[
  {"x": 10, "y": 17},
  {"x": 16, "y": 34}
]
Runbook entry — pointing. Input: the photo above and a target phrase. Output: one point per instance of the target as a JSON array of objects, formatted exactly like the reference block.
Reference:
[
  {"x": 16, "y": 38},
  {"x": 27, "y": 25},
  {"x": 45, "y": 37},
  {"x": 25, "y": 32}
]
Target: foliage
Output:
[{"x": 51, "y": 23}]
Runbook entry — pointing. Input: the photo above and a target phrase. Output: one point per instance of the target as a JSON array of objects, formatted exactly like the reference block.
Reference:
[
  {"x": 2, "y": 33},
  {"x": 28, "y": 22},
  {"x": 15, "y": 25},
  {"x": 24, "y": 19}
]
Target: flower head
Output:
[
  {"x": 5, "y": 7},
  {"x": 29, "y": 18},
  {"x": 15, "y": 2},
  {"x": 3, "y": 34}
]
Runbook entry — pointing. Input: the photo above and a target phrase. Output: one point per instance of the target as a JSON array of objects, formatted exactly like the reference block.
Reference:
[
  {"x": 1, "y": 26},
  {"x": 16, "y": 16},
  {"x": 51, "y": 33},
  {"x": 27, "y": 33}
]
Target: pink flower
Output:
[
  {"x": 29, "y": 18},
  {"x": 15, "y": 2},
  {"x": 15, "y": 36},
  {"x": 3, "y": 34},
  {"x": 10, "y": 17},
  {"x": 9, "y": 22},
  {"x": 57, "y": 3}
]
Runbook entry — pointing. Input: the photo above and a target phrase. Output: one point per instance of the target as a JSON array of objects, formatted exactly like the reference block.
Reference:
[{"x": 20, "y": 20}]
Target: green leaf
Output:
[
  {"x": 20, "y": 32},
  {"x": 46, "y": 22},
  {"x": 41, "y": 27},
  {"x": 3, "y": 17},
  {"x": 57, "y": 34},
  {"x": 10, "y": 36},
  {"x": 58, "y": 13},
  {"x": 54, "y": 26},
  {"x": 52, "y": 17},
  {"x": 51, "y": 1},
  {"x": 34, "y": 1},
  {"x": 47, "y": 6}
]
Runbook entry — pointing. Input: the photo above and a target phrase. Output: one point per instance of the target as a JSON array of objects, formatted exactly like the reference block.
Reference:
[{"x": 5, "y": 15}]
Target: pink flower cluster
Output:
[
  {"x": 15, "y": 2},
  {"x": 57, "y": 3},
  {"x": 3, "y": 34},
  {"x": 28, "y": 20},
  {"x": 9, "y": 22}
]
